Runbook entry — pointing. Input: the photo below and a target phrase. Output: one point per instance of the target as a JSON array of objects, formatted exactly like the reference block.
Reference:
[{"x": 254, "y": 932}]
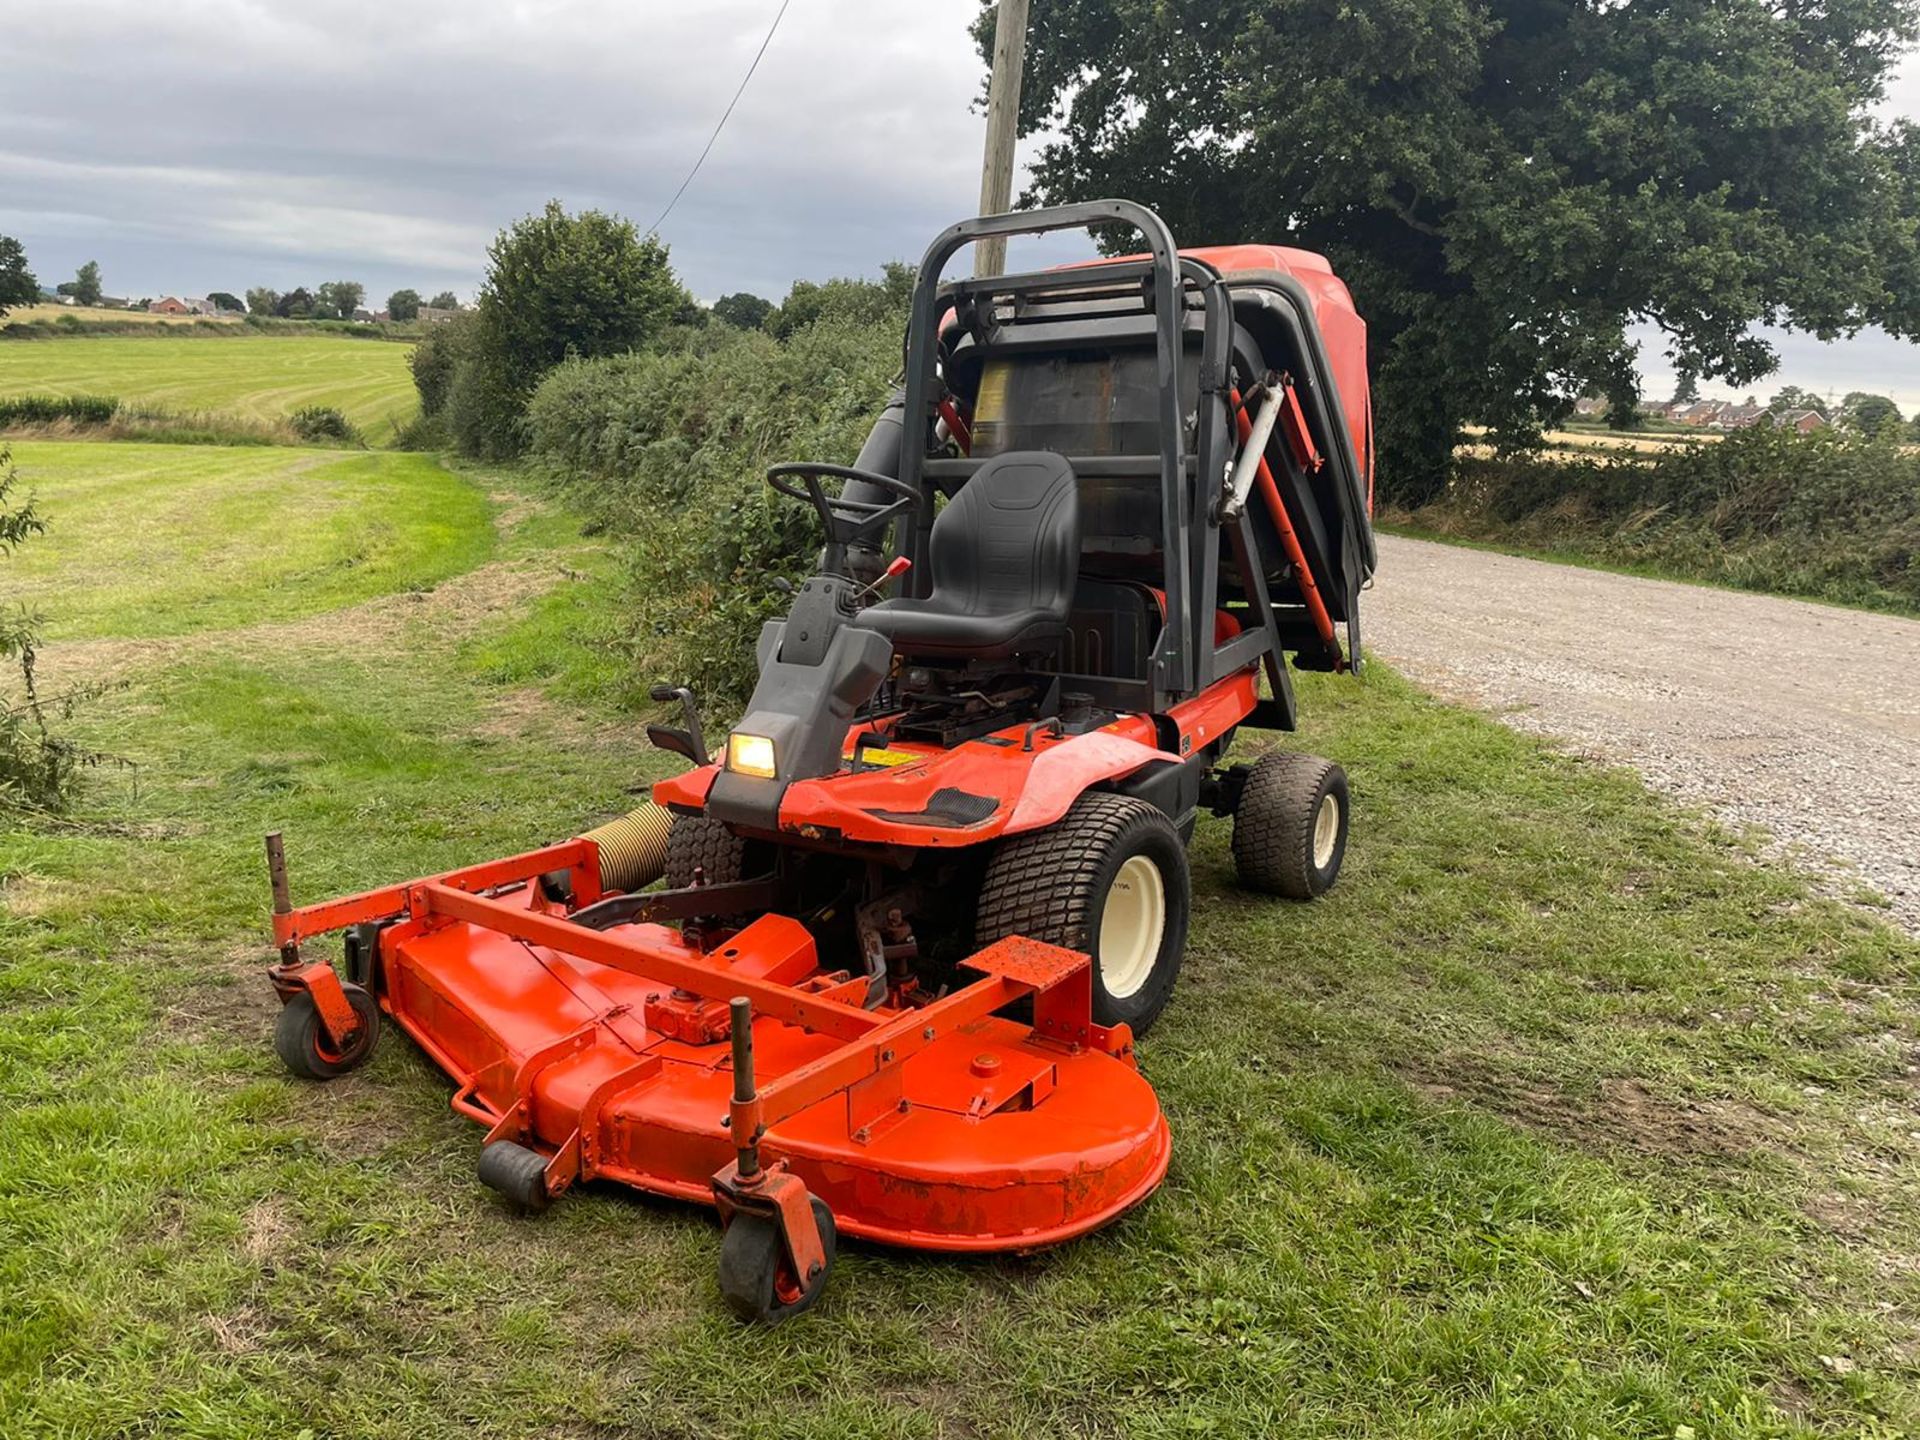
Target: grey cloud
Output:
[{"x": 192, "y": 145}]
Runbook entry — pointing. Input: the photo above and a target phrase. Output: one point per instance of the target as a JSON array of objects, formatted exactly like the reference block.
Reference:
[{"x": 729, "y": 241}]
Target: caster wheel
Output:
[
  {"x": 301, "y": 1042},
  {"x": 517, "y": 1173},
  {"x": 757, "y": 1278}
]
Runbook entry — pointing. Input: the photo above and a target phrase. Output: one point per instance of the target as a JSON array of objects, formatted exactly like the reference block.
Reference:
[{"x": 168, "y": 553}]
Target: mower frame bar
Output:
[{"x": 1011, "y": 970}]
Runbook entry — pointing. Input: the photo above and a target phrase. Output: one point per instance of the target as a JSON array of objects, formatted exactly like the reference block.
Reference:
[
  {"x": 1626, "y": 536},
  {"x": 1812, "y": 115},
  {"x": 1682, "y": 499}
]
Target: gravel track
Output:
[{"x": 1802, "y": 719}]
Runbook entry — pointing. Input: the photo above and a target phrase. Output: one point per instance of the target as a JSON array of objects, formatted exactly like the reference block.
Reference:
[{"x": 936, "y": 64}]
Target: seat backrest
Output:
[
  {"x": 1112, "y": 630},
  {"x": 1010, "y": 540}
]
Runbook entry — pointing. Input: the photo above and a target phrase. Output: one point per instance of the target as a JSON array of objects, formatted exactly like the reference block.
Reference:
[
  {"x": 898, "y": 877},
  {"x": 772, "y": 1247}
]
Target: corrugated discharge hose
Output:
[{"x": 633, "y": 848}]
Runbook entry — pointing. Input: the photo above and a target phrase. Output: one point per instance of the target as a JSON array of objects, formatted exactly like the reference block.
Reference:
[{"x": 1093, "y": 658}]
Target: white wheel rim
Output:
[
  {"x": 1326, "y": 831},
  {"x": 1132, "y": 924}
]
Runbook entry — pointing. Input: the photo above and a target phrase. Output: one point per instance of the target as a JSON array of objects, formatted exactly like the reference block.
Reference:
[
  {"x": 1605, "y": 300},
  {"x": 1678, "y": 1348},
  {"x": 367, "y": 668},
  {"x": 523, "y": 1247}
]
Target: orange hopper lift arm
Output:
[{"x": 1276, "y": 507}]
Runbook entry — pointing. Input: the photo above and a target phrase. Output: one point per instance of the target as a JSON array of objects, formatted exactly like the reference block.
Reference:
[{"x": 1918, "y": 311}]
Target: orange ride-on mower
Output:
[{"x": 936, "y": 881}]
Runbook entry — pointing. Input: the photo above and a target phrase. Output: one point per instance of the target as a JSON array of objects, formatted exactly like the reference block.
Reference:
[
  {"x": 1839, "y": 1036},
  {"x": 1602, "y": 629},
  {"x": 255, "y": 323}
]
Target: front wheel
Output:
[{"x": 1109, "y": 879}]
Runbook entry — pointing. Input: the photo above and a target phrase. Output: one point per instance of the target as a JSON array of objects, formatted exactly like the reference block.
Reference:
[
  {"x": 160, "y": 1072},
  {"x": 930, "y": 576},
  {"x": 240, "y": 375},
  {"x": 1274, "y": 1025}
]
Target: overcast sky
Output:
[{"x": 195, "y": 145}]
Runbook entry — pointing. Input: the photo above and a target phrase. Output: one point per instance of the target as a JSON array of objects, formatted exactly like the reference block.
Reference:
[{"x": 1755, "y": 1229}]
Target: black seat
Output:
[{"x": 1004, "y": 557}]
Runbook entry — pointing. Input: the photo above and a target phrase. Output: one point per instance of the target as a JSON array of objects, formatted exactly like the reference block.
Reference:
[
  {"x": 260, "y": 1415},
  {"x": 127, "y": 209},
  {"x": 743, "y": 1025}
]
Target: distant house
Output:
[
  {"x": 113, "y": 302},
  {"x": 364, "y": 315},
  {"x": 1737, "y": 417},
  {"x": 1701, "y": 412},
  {"x": 170, "y": 305},
  {"x": 429, "y": 315},
  {"x": 1589, "y": 405},
  {"x": 1803, "y": 420}
]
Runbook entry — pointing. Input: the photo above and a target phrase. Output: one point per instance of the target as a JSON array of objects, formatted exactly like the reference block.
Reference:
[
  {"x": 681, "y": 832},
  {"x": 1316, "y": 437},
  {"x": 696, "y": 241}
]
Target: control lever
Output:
[
  {"x": 896, "y": 567},
  {"x": 688, "y": 741}
]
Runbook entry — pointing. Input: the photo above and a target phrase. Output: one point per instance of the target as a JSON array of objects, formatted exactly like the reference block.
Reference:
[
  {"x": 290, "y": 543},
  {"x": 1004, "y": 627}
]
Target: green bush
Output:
[
  {"x": 867, "y": 302},
  {"x": 52, "y": 409},
  {"x": 323, "y": 423},
  {"x": 1833, "y": 515},
  {"x": 434, "y": 360},
  {"x": 668, "y": 451},
  {"x": 557, "y": 286}
]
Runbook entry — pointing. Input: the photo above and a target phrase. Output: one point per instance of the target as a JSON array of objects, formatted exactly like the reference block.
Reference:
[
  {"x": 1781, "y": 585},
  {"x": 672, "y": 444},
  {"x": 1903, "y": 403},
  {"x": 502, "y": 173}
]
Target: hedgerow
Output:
[
  {"x": 53, "y": 409},
  {"x": 668, "y": 450},
  {"x": 1832, "y": 515}
]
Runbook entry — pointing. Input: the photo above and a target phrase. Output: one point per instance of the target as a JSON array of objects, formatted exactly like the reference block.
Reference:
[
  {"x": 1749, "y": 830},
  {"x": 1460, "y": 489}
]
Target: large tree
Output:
[
  {"x": 1789, "y": 398},
  {"x": 1508, "y": 185},
  {"x": 403, "y": 305},
  {"x": 743, "y": 309},
  {"x": 1871, "y": 414},
  {"x": 340, "y": 297},
  {"x": 86, "y": 284},
  {"x": 557, "y": 285},
  {"x": 17, "y": 285},
  {"x": 263, "y": 301}
]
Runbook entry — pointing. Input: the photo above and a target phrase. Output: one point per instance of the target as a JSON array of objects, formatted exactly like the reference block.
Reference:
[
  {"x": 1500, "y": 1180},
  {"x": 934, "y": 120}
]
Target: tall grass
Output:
[
  {"x": 105, "y": 417},
  {"x": 53, "y": 409}
]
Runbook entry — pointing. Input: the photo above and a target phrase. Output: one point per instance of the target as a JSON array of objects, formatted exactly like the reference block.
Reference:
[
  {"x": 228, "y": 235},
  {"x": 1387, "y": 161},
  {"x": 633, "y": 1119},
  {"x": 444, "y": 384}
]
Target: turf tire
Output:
[
  {"x": 1275, "y": 823},
  {"x": 703, "y": 843},
  {"x": 1055, "y": 885}
]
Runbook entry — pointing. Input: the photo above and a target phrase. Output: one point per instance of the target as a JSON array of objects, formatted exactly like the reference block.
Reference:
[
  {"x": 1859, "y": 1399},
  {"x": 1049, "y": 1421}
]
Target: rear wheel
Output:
[
  {"x": 1109, "y": 879},
  {"x": 1290, "y": 827}
]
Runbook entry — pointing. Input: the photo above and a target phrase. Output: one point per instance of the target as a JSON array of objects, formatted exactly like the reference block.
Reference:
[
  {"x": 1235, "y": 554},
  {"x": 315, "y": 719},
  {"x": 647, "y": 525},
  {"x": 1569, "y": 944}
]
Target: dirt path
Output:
[{"x": 1800, "y": 718}]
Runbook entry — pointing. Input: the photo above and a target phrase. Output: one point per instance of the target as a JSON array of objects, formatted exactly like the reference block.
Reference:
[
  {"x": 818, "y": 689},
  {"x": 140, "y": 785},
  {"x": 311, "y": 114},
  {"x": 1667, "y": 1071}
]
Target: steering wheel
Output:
[{"x": 845, "y": 520}]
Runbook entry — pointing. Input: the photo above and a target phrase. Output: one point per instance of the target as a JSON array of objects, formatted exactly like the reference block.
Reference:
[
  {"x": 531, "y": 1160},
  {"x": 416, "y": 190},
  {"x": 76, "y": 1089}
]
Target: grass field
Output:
[
  {"x": 1559, "y": 1116},
  {"x": 263, "y": 377},
  {"x": 229, "y": 536}
]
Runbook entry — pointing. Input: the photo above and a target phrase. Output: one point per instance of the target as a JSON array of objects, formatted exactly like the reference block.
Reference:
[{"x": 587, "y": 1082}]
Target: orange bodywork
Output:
[
  {"x": 940, "y": 1126},
  {"x": 1032, "y": 775}
]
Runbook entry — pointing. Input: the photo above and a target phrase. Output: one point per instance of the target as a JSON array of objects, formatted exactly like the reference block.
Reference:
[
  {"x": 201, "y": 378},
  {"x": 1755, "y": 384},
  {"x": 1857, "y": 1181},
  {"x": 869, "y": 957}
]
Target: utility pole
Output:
[{"x": 1003, "y": 124}]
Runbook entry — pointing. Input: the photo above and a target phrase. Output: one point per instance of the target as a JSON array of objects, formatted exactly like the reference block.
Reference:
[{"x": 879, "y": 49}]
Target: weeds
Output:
[
  {"x": 79, "y": 410},
  {"x": 37, "y": 767}
]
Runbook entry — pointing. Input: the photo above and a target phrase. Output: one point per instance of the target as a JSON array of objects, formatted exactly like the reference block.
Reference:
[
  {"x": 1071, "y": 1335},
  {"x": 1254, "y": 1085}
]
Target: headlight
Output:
[{"x": 750, "y": 755}]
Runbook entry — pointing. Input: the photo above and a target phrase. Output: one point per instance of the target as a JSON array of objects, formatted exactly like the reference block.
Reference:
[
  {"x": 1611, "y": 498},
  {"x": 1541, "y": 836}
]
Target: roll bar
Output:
[{"x": 923, "y": 390}]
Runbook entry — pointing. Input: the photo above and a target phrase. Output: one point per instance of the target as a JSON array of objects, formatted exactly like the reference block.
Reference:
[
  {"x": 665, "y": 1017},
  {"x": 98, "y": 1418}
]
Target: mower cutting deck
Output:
[{"x": 940, "y": 811}]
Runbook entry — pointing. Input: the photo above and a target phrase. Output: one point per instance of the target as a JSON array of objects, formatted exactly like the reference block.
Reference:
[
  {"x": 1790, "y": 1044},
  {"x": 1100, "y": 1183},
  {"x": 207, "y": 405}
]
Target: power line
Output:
[{"x": 654, "y": 229}]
